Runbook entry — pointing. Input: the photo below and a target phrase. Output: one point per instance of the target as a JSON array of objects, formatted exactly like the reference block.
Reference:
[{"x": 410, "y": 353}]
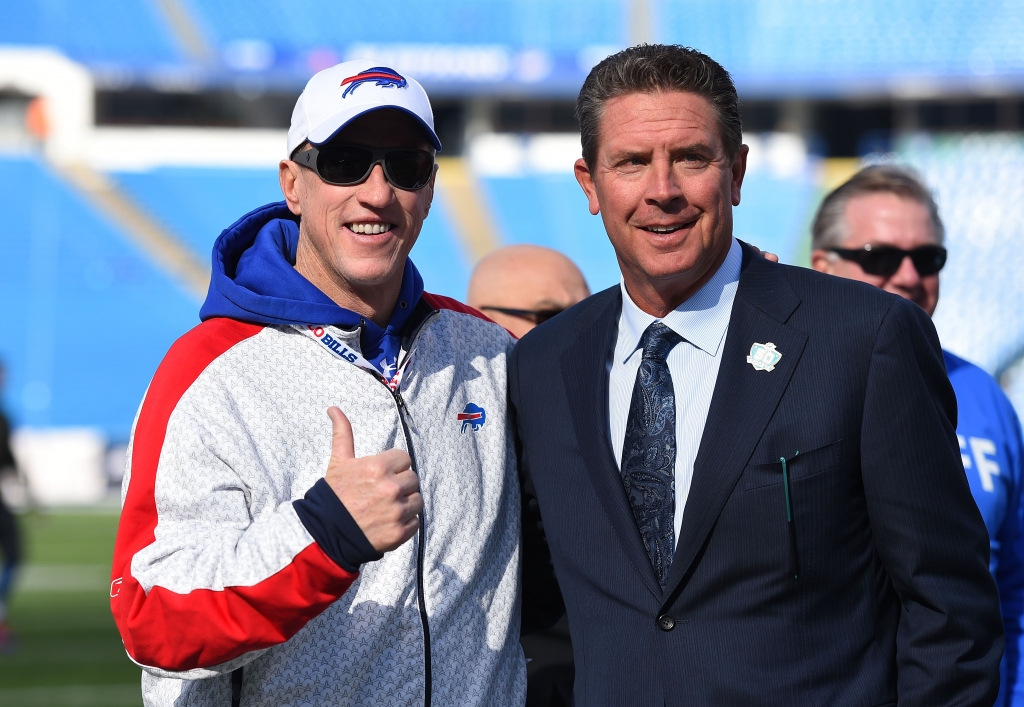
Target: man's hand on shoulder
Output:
[{"x": 380, "y": 492}]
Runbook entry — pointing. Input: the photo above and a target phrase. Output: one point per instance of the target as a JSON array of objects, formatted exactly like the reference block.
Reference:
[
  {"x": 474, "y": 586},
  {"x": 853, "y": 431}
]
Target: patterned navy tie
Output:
[{"x": 649, "y": 451}]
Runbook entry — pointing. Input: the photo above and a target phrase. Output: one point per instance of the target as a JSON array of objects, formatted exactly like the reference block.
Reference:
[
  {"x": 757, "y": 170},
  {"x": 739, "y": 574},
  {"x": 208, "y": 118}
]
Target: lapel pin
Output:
[{"x": 763, "y": 357}]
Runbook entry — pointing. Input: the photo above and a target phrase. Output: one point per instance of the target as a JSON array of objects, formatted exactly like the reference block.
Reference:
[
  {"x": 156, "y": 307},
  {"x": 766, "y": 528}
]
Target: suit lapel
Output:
[
  {"x": 743, "y": 402},
  {"x": 584, "y": 370}
]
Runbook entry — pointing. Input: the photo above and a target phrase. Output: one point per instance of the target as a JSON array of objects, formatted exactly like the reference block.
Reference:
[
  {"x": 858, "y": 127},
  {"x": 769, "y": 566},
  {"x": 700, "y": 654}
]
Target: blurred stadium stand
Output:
[
  {"x": 130, "y": 33},
  {"x": 979, "y": 184},
  {"x": 86, "y": 316},
  {"x": 293, "y": 28},
  {"x": 823, "y": 47},
  {"x": 116, "y": 190},
  {"x": 197, "y": 203},
  {"x": 779, "y": 191},
  {"x": 800, "y": 46},
  {"x": 550, "y": 209}
]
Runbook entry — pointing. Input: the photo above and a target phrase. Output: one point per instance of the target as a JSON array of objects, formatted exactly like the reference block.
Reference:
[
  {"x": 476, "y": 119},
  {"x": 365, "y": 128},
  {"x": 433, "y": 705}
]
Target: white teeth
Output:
[
  {"x": 370, "y": 228},
  {"x": 663, "y": 229}
]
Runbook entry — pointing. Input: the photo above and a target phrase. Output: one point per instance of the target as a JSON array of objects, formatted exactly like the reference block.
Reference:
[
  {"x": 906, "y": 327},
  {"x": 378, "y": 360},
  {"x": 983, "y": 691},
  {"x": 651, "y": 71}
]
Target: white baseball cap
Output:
[{"x": 336, "y": 96}]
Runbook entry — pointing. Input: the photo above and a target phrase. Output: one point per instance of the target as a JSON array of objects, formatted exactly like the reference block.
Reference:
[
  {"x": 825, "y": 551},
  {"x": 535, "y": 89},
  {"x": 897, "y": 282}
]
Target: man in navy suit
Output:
[{"x": 744, "y": 476}]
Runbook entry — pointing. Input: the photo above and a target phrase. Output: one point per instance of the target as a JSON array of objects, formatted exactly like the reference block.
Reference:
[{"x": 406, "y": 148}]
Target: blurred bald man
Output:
[{"x": 521, "y": 286}]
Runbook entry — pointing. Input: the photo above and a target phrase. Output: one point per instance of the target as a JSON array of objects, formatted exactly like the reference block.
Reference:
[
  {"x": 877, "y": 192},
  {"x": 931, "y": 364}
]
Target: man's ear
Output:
[
  {"x": 288, "y": 176},
  {"x": 821, "y": 261},
  {"x": 586, "y": 179},
  {"x": 739, "y": 170}
]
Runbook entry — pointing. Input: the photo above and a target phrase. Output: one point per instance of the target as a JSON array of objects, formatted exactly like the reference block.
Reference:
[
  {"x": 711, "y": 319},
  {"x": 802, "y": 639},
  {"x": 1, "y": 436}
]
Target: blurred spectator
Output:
[
  {"x": 10, "y": 541},
  {"x": 882, "y": 227},
  {"x": 520, "y": 287}
]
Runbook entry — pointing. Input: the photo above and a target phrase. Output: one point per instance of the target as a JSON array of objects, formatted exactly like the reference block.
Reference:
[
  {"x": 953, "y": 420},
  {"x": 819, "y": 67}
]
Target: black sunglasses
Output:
[
  {"x": 886, "y": 260},
  {"x": 348, "y": 165},
  {"x": 537, "y": 316}
]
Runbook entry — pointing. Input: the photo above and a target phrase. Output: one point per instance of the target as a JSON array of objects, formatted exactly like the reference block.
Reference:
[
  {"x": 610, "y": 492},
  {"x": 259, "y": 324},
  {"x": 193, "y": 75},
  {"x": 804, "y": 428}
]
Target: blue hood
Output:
[{"x": 254, "y": 280}]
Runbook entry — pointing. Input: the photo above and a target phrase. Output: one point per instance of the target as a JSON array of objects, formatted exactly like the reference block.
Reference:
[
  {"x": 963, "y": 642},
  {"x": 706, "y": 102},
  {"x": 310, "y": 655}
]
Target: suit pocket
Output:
[{"x": 800, "y": 466}]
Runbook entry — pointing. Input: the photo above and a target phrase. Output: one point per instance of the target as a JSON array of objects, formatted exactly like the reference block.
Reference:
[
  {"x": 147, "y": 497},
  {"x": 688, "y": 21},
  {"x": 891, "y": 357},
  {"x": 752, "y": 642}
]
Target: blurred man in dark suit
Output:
[{"x": 748, "y": 474}]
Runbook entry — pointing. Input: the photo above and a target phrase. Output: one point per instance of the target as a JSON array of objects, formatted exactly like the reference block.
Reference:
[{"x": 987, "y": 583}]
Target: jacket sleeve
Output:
[
  {"x": 926, "y": 526},
  {"x": 199, "y": 585},
  {"x": 542, "y": 599},
  {"x": 1010, "y": 573}
]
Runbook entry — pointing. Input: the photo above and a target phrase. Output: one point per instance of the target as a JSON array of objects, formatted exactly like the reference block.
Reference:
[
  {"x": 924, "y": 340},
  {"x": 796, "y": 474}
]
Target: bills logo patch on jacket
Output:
[
  {"x": 472, "y": 416},
  {"x": 380, "y": 75}
]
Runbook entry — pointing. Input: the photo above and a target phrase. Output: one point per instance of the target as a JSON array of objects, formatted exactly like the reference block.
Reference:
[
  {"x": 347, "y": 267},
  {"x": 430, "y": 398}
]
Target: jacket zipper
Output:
[{"x": 420, "y": 599}]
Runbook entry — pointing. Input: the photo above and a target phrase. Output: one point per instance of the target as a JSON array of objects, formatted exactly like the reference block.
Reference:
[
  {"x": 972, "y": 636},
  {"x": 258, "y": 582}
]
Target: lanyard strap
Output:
[{"x": 339, "y": 350}]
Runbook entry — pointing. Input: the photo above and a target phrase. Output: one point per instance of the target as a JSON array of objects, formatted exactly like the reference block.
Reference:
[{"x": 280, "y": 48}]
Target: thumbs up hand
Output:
[{"x": 381, "y": 492}]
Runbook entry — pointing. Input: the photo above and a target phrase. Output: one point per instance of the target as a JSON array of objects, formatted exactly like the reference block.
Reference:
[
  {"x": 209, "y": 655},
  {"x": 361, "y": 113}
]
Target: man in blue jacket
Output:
[{"x": 882, "y": 227}]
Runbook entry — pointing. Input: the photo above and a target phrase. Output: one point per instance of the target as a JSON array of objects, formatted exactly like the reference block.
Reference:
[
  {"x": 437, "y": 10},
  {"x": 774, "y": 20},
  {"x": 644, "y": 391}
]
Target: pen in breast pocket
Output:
[{"x": 794, "y": 567}]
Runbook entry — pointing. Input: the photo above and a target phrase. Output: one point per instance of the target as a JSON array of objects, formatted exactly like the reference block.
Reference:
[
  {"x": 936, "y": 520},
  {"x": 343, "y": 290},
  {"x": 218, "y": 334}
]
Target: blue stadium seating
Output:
[
  {"x": 196, "y": 203},
  {"x": 770, "y": 46},
  {"x": 300, "y": 25},
  {"x": 551, "y": 210},
  {"x": 779, "y": 42},
  {"x": 86, "y": 317},
  {"x": 440, "y": 257},
  {"x": 121, "y": 32},
  {"x": 978, "y": 182}
]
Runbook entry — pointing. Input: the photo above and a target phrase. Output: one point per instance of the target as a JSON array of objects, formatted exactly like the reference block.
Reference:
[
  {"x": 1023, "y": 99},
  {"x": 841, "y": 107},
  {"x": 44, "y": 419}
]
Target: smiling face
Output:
[
  {"x": 665, "y": 187},
  {"x": 886, "y": 219},
  {"x": 354, "y": 240}
]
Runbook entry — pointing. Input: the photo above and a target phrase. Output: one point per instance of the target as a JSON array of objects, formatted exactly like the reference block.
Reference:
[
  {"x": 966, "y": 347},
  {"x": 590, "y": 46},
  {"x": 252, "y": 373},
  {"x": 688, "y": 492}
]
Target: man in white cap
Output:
[{"x": 320, "y": 505}]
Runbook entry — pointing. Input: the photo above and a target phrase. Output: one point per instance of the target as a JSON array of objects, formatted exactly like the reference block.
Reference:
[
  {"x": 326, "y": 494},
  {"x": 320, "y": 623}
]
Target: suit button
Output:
[{"x": 666, "y": 622}]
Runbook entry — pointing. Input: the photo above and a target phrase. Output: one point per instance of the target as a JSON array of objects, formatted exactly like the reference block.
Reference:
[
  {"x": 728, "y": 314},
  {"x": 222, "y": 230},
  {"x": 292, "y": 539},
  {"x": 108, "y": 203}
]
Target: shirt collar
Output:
[{"x": 701, "y": 320}]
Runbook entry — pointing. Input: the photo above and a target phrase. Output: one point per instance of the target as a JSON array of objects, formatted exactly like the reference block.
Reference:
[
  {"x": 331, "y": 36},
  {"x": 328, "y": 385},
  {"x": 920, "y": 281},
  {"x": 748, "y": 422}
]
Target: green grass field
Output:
[{"x": 68, "y": 651}]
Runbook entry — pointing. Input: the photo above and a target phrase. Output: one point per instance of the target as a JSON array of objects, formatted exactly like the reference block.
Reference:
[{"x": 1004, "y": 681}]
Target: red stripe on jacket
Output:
[{"x": 204, "y": 627}]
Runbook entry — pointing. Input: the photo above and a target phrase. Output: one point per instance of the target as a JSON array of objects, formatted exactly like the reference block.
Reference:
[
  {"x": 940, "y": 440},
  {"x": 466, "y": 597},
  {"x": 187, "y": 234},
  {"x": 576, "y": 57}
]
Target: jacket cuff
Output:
[{"x": 334, "y": 529}]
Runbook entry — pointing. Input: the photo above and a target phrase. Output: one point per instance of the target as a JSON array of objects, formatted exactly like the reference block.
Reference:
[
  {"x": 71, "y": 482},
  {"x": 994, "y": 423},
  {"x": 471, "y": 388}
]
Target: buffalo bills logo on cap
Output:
[
  {"x": 381, "y": 75},
  {"x": 472, "y": 416}
]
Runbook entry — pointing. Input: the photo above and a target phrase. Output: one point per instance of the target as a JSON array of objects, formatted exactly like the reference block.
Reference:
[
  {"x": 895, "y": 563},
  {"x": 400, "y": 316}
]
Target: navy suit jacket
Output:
[{"x": 893, "y": 603}]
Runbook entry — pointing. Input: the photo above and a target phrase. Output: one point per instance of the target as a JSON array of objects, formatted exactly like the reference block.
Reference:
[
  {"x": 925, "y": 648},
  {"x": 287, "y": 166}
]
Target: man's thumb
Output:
[{"x": 343, "y": 445}]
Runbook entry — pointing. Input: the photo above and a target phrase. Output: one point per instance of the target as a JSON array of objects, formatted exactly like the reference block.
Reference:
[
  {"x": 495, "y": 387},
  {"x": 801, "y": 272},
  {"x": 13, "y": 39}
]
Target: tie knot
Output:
[{"x": 657, "y": 341}]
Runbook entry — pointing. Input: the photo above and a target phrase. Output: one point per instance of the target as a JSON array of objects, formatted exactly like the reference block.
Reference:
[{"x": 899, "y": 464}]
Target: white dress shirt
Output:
[{"x": 701, "y": 321}]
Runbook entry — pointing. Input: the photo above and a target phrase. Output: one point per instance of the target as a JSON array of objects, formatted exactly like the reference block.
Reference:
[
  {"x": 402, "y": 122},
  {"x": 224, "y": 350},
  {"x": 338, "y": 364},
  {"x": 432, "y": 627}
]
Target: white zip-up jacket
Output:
[{"x": 232, "y": 551}]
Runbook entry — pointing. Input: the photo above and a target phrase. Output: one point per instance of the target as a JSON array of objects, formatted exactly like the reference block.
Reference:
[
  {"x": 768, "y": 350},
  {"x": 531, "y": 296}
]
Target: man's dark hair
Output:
[
  {"x": 652, "y": 68},
  {"x": 830, "y": 229}
]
